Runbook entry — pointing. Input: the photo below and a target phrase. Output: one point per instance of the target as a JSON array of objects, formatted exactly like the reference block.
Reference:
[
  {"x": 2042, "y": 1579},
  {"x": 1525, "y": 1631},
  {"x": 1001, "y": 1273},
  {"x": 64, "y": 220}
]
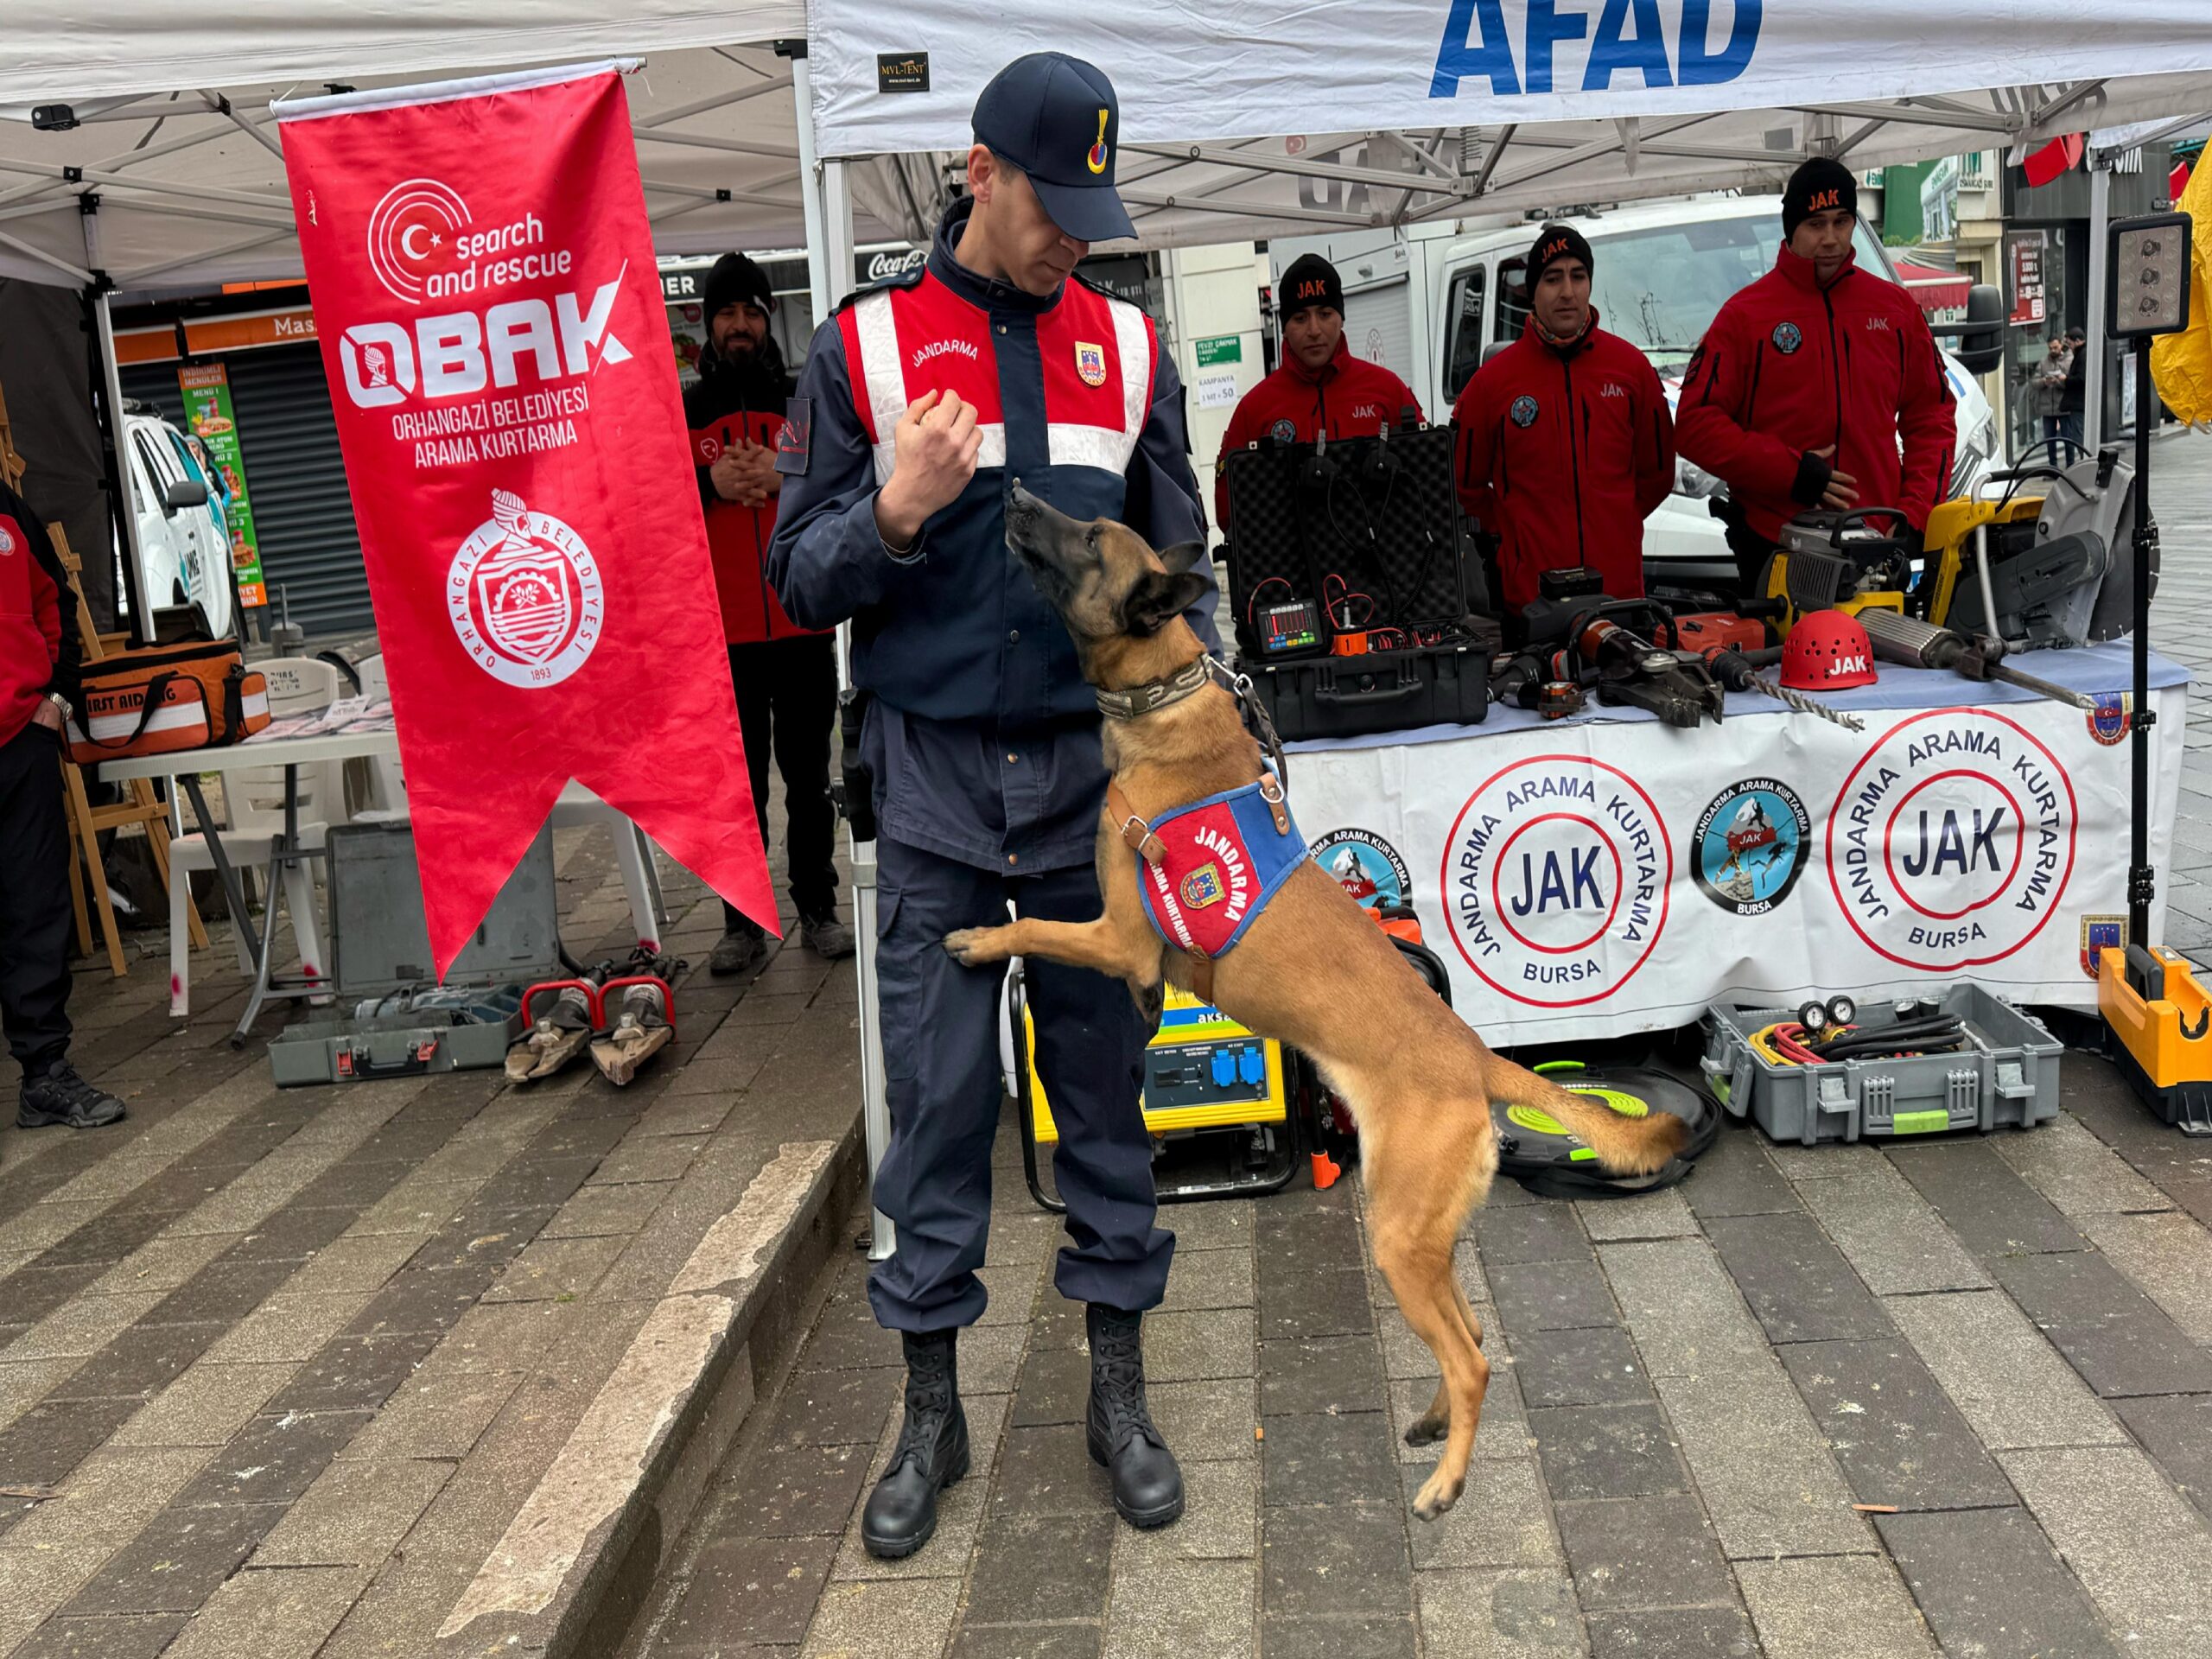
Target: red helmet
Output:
[{"x": 1827, "y": 651}]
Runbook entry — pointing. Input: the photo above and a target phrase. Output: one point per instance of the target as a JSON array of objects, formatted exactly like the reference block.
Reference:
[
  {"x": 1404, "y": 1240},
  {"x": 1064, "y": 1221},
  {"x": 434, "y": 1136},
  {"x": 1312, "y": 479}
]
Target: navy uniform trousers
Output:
[{"x": 941, "y": 1066}]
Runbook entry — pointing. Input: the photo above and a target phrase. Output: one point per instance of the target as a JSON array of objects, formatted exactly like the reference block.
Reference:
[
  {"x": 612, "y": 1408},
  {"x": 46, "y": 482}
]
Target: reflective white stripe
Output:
[
  {"x": 992, "y": 454},
  {"x": 255, "y": 702},
  {"x": 107, "y": 727},
  {"x": 1133, "y": 340},
  {"x": 880, "y": 368},
  {"x": 1088, "y": 446}
]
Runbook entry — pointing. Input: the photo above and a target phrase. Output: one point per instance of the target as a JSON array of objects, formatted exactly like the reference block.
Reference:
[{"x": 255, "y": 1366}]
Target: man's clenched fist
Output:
[{"x": 934, "y": 452}]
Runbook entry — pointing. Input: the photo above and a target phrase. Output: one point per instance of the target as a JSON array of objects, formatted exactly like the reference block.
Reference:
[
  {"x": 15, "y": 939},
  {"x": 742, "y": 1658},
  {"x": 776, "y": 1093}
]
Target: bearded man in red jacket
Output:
[
  {"x": 1565, "y": 442},
  {"x": 1819, "y": 386}
]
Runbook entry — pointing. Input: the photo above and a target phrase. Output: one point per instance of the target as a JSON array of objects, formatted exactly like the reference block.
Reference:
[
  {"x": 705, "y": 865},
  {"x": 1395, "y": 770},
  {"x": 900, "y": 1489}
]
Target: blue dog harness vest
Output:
[{"x": 1207, "y": 870}]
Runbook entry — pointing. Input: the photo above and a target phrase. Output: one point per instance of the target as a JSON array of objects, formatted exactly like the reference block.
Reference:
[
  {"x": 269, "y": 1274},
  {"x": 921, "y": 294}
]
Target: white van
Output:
[
  {"x": 1430, "y": 302},
  {"x": 183, "y": 538}
]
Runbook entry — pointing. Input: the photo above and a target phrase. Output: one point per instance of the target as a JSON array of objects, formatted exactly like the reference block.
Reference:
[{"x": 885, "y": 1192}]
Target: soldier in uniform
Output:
[{"x": 923, "y": 401}]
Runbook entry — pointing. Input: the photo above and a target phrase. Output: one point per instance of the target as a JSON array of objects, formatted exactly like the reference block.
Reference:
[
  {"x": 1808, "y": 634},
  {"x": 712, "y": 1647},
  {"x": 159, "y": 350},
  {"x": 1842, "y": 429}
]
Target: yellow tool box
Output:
[{"x": 1202, "y": 1072}]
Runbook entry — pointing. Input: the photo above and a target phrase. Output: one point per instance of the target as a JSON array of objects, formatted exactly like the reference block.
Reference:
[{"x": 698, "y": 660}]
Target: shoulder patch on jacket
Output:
[{"x": 795, "y": 437}]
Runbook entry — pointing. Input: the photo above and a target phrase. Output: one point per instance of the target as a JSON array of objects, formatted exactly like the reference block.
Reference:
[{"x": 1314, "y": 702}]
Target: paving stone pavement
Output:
[
  {"x": 1708, "y": 1433},
  {"x": 293, "y": 1364},
  {"x": 277, "y": 1368}
]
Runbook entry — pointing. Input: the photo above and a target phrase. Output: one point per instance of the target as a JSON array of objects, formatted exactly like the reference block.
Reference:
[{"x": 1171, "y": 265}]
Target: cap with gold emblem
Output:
[{"x": 1056, "y": 118}]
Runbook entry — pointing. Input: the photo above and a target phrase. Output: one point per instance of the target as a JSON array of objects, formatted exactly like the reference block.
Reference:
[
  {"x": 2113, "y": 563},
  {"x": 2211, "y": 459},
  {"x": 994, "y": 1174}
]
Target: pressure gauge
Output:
[{"x": 2148, "y": 291}]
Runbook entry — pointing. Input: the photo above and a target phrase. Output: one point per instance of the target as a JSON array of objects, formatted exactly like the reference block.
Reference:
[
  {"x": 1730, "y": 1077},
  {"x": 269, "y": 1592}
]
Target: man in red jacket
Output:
[
  {"x": 1320, "y": 389},
  {"x": 38, "y": 660},
  {"x": 1802, "y": 389},
  {"x": 1565, "y": 442},
  {"x": 786, "y": 675}
]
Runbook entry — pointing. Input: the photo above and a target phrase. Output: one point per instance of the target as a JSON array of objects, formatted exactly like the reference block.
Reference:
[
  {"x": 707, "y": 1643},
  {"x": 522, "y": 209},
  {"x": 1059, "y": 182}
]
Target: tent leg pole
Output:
[
  {"x": 828, "y": 253},
  {"x": 142, "y": 615},
  {"x": 2092, "y": 377}
]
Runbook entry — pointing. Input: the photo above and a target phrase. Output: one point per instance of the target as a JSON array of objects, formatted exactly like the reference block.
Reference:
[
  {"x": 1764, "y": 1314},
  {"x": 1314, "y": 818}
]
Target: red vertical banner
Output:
[{"x": 500, "y": 367}]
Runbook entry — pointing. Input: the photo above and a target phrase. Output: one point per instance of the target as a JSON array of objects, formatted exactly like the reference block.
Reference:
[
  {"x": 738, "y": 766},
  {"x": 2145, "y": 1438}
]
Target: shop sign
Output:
[
  {"x": 208, "y": 417},
  {"x": 2024, "y": 250},
  {"x": 293, "y": 327}
]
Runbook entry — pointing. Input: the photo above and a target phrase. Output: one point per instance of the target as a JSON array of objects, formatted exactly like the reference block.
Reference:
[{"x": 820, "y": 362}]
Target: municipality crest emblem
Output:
[{"x": 524, "y": 595}]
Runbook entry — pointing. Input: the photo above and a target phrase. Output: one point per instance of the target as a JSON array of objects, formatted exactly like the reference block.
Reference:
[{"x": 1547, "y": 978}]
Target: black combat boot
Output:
[
  {"x": 1148, "y": 1486},
  {"x": 931, "y": 1453}
]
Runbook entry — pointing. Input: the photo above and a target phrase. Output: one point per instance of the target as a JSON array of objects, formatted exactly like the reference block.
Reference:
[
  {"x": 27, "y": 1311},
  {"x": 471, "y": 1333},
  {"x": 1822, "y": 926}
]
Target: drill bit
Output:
[
  {"x": 1805, "y": 705},
  {"x": 1735, "y": 671}
]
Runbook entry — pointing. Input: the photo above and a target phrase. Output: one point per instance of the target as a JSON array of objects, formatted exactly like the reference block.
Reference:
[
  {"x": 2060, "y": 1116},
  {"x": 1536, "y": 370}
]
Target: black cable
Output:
[{"x": 1371, "y": 555}]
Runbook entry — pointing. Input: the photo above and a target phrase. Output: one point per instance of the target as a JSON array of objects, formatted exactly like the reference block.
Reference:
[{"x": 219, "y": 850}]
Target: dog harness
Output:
[{"x": 1207, "y": 869}]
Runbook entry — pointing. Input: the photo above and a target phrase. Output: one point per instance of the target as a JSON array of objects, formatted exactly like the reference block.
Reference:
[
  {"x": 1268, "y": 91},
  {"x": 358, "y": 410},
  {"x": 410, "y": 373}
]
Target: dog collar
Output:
[{"x": 1155, "y": 695}]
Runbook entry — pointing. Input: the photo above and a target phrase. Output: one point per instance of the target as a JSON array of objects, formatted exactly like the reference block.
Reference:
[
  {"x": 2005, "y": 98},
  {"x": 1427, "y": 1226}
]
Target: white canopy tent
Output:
[
  {"x": 157, "y": 128},
  {"x": 1450, "y": 112}
]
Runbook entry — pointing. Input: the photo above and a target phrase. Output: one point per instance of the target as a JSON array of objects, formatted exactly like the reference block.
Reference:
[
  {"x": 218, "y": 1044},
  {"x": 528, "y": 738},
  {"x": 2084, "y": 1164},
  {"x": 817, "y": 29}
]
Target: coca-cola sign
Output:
[{"x": 890, "y": 263}]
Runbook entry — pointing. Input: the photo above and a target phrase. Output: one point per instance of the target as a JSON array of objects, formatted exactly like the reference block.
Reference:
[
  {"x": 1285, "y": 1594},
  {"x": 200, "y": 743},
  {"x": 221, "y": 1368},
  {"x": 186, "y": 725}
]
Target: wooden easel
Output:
[{"x": 140, "y": 804}]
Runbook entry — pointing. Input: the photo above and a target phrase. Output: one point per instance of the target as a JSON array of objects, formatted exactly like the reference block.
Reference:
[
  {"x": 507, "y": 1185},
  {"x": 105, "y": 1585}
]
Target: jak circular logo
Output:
[
  {"x": 1555, "y": 880},
  {"x": 1951, "y": 843}
]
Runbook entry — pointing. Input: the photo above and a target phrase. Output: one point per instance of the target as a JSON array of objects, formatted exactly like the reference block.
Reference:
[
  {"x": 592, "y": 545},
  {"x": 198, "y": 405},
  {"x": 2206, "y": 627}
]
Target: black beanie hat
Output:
[
  {"x": 1310, "y": 280},
  {"x": 1817, "y": 186},
  {"x": 1555, "y": 243},
  {"x": 735, "y": 278}
]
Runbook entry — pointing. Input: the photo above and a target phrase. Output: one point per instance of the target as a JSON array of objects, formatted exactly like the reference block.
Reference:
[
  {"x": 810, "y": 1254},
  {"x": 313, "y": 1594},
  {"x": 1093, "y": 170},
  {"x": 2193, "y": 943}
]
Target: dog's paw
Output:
[
  {"x": 1437, "y": 1496},
  {"x": 1428, "y": 1430},
  {"x": 971, "y": 947}
]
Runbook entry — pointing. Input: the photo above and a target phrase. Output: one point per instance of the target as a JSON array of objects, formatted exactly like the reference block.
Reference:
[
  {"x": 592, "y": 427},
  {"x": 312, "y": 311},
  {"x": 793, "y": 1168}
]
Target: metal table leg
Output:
[
  {"x": 233, "y": 894},
  {"x": 281, "y": 852}
]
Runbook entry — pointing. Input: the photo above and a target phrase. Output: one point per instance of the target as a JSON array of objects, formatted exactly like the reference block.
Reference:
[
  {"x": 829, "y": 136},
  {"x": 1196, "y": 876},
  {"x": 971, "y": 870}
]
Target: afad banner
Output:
[{"x": 492, "y": 324}]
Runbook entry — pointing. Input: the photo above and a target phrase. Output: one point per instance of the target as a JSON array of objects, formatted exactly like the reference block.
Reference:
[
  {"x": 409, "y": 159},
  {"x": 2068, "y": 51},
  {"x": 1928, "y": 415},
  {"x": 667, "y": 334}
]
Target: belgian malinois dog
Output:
[{"x": 1314, "y": 970}]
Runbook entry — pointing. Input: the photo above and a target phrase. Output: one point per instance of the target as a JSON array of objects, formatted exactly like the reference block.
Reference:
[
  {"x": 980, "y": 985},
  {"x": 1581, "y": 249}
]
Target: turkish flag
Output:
[{"x": 506, "y": 391}]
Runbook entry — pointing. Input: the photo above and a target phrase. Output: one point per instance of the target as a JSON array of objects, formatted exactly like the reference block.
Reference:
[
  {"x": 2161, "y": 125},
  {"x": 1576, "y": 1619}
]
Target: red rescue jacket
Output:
[
  {"x": 722, "y": 410},
  {"x": 39, "y": 648},
  {"x": 1789, "y": 367},
  {"x": 1563, "y": 451},
  {"x": 1349, "y": 398}
]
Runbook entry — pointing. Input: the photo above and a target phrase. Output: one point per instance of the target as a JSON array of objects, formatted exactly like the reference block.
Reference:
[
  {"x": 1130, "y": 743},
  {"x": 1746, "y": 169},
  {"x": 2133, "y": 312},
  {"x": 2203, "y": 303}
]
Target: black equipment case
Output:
[{"x": 1357, "y": 541}]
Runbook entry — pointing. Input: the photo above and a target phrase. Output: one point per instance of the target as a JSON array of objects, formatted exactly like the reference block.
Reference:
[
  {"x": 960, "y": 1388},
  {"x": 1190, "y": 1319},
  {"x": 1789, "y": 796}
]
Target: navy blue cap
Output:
[{"x": 1056, "y": 118}]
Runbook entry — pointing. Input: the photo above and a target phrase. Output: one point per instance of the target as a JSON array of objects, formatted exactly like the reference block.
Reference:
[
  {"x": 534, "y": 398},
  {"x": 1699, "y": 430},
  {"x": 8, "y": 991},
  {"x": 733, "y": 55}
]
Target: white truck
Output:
[
  {"x": 184, "y": 544},
  {"x": 1433, "y": 301}
]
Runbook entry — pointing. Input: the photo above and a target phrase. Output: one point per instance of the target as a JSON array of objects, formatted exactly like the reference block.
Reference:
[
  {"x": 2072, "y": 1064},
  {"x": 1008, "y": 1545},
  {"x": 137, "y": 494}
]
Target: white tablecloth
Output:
[{"x": 1609, "y": 874}]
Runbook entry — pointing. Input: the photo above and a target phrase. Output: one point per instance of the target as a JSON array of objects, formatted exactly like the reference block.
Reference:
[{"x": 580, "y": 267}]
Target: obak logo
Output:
[
  {"x": 525, "y": 595},
  {"x": 1556, "y": 876},
  {"x": 412, "y": 234}
]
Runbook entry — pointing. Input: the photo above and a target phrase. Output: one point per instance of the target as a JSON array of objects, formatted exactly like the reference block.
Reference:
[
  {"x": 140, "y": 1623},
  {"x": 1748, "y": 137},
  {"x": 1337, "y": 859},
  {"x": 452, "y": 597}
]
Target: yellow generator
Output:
[
  {"x": 1213, "y": 1098},
  {"x": 1839, "y": 561}
]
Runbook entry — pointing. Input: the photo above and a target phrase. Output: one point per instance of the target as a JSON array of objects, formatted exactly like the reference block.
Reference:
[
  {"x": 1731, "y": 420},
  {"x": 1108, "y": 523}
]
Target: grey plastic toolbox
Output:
[
  {"x": 380, "y": 959},
  {"x": 2006, "y": 1076}
]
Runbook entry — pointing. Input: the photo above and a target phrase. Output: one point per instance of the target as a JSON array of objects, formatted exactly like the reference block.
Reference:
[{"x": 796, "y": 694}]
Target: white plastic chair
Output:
[
  {"x": 381, "y": 786},
  {"x": 633, "y": 856},
  {"x": 254, "y": 804}
]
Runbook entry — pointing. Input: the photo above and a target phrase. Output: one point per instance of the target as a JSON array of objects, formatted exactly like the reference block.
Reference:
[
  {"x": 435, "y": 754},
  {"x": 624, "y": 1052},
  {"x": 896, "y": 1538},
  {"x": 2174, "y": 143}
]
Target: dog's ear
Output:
[
  {"x": 1159, "y": 599},
  {"x": 1181, "y": 556}
]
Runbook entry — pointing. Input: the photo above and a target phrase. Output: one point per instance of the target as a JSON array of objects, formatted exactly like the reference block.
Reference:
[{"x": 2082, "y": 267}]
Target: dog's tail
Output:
[{"x": 1625, "y": 1145}]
